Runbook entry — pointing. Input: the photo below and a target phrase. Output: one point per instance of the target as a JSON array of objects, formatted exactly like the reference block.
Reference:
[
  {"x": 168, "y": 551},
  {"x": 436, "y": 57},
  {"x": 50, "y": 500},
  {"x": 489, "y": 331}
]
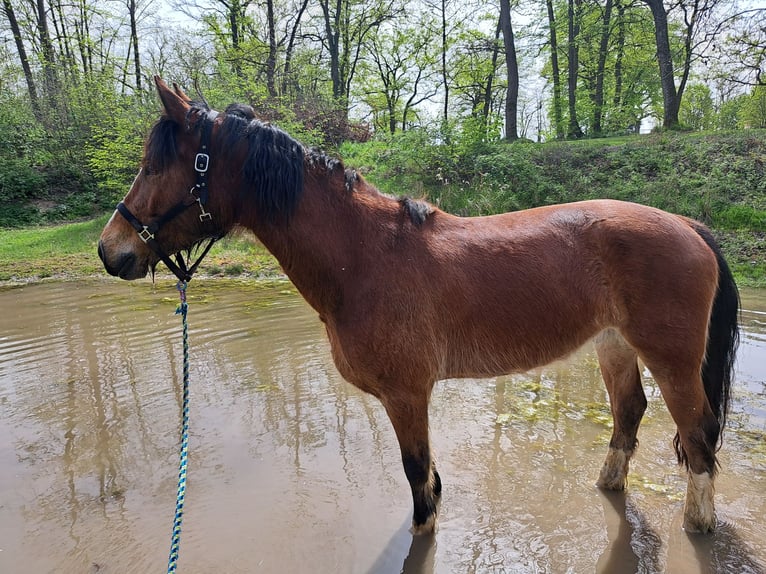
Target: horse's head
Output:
[
  {"x": 255, "y": 172},
  {"x": 169, "y": 208}
]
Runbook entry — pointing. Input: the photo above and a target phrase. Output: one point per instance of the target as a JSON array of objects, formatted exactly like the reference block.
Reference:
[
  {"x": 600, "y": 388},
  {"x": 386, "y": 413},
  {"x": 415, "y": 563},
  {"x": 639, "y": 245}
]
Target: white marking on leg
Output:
[
  {"x": 428, "y": 527},
  {"x": 699, "y": 510},
  {"x": 614, "y": 473}
]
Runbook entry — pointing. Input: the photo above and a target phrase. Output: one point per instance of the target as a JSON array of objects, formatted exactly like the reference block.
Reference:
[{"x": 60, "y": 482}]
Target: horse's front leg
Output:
[{"x": 409, "y": 415}]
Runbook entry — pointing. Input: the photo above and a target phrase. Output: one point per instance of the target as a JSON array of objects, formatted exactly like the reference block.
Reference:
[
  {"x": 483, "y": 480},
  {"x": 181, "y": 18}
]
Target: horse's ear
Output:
[
  {"x": 181, "y": 93},
  {"x": 175, "y": 105}
]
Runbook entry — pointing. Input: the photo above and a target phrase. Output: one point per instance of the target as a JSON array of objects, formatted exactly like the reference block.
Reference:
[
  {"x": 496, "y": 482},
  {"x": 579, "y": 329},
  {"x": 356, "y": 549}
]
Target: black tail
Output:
[{"x": 722, "y": 343}]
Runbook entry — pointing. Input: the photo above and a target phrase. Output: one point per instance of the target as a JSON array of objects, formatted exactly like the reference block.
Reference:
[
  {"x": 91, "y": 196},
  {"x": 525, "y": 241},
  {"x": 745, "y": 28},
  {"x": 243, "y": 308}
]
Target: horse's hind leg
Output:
[
  {"x": 696, "y": 441},
  {"x": 409, "y": 416},
  {"x": 619, "y": 368}
]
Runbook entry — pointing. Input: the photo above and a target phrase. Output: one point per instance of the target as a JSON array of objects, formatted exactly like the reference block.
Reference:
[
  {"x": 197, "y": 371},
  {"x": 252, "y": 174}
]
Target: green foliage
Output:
[
  {"x": 754, "y": 112},
  {"x": 39, "y": 183},
  {"x": 730, "y": 113},
  {"x": 115, "y": 147},
  {"x": 696, "y": 110}
]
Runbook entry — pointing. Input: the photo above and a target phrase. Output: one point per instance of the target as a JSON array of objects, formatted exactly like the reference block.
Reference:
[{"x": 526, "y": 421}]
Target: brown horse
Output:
[{"x": 410, "y": 294}]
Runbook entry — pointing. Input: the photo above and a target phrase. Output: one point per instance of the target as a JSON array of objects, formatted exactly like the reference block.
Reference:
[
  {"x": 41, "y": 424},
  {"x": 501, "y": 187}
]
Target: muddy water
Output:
[{"x": 293, "y": 470}]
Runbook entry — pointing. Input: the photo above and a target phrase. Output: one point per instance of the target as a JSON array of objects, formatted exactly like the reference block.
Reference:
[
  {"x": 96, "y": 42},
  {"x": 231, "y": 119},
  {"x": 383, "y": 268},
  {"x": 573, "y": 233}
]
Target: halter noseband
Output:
[{"x": 197, "y": 194}]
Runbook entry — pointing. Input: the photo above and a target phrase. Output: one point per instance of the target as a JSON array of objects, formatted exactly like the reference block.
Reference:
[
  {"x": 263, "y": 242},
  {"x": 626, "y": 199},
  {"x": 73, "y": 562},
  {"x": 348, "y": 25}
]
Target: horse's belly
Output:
[{"x": 495, "y": 356}]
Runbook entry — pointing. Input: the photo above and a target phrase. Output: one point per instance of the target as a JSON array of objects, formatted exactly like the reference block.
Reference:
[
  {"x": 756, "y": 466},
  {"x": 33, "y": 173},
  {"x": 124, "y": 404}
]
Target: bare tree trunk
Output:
[
  {"x": 573, "y": 16},
  {"x": 598, "y": 96},
  {"x": 134, "y": 41},
  {"x": 51, "y": 85},
  {"x": 670, "y": 98},
  {"x": 332, "y": 29},
  {"x": 291, "y": 46},
  {"x": 271, "y": 60},
  {"x": 512, "y": 69},
  {"x": 62, "y": 38},
  {"x": 445, "y": 79},
  {"x": 558, "y": 121},
  {"x": 28, "y": 77},
  {"x": 487, "y": 104}
]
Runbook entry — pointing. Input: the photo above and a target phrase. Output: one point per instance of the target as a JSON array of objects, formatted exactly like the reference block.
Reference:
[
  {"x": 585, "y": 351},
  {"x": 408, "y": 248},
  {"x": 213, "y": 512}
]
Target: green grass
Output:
[
  {"x": 69, "y": 250},
  {"x": 60, "y": 250}
]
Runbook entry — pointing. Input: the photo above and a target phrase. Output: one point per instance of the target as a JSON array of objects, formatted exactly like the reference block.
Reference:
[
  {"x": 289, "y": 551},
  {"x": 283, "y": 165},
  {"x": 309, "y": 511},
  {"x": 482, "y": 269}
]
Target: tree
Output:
[
  {"x": 51, "y": 84},
  {"x": 558, "y": 123},
  {"x": 399, "y": 65},
  {"x": 755, "y": 108},
  {"x": 347, "y": 24},
  {"x": 698, "y": 34},
  {"x": 477, "y": 88},
  {"x": 741, "y": 56},
  {"x": 696, "y": 111},
  {"x": 598, "y": 96},
  {"x": 665, "y": 61},
  {"x": 512, "y": 72},
  {"x": 133, "y": 15},
  {"x": 573, "y": 23},
  {"x": 22, "y": 52},
  {"x": 289, "y": 51}
]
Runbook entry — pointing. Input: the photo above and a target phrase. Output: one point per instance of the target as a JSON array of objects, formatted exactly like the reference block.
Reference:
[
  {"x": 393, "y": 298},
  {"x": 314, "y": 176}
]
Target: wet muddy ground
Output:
[{"x": 293, "y": 470}]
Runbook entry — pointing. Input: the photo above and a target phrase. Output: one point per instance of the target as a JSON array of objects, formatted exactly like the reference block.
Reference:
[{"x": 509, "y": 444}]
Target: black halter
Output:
[{"x": 197, "y": 194}]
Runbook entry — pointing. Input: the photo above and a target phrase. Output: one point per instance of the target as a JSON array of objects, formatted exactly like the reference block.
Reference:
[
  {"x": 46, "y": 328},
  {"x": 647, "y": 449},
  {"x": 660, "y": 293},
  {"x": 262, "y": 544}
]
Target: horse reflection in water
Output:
[{"x": 410, "y": 294}]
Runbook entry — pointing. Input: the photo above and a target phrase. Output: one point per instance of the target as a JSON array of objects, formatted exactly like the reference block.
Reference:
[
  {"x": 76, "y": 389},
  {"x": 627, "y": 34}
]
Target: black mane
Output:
[
  {"x": 274, "y": 164},
  {"x": 417, "y": 209},
  {"x": 273, "y": 168}
]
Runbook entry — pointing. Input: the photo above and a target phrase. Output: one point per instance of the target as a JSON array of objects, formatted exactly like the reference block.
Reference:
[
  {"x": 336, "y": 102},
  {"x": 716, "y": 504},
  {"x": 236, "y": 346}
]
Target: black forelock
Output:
[
  {"x": 161, "y": 148},
  {"x": 162, "y": 144}
]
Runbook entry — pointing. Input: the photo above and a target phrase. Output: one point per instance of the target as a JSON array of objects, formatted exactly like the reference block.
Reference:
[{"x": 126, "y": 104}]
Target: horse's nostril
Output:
[{"x": 101, "y": 251}]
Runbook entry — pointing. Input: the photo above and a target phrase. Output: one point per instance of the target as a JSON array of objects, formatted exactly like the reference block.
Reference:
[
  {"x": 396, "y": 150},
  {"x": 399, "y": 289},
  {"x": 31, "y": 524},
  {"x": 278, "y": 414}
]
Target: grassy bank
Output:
[
  {"x": 69, "y": 251},
  {"x": 719, "y": 179}
]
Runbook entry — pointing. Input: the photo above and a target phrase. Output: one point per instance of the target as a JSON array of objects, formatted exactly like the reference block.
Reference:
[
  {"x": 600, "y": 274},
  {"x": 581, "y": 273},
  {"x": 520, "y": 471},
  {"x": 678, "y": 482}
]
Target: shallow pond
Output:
[{"x": 294, "y": 470}]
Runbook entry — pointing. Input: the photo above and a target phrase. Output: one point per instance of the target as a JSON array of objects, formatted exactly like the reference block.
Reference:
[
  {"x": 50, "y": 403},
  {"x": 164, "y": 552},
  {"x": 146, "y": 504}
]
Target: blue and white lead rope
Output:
[{"x": 176, "y": 538}]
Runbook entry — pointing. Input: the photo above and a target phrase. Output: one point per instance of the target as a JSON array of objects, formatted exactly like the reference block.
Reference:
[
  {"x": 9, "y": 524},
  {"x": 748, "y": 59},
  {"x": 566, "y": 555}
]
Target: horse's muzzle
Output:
[{"x": 124, "y": 267}]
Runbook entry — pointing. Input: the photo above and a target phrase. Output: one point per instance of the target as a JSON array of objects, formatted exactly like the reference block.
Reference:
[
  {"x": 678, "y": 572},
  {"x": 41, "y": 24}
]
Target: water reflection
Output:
[{"x": 293, "y": 470}]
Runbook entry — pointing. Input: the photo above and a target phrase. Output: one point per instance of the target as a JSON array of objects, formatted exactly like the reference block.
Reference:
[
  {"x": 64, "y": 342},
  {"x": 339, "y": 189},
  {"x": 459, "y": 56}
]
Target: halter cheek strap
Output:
[{"x": 197, "y": 194}]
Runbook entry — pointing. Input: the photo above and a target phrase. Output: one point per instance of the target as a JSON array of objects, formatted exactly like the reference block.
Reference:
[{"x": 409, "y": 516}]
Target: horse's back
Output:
[
  {"x": 542, "y": 282},
  {"x": 490, "y": 295}
]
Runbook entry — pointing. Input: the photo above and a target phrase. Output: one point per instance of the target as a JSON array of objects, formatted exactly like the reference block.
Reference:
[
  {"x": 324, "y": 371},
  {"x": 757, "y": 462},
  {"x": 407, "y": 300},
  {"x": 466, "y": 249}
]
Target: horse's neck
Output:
[{"x": 325, "y": 243}]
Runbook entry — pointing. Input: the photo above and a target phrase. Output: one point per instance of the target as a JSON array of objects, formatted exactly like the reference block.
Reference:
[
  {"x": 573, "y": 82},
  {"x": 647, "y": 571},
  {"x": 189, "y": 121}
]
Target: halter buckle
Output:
[
  {"x": 145, "y": 234},
  {"x": 201, "y": 162}
]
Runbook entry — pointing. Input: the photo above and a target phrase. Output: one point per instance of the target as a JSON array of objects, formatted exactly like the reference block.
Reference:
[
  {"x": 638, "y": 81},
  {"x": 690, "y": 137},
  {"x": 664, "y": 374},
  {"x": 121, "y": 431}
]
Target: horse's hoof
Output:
[
  {"x": 694, "y": 526},
  {"x": 614, "y": 473},
  {"x": 611, "y": 483},
  {"x": 428, "y": 527}
]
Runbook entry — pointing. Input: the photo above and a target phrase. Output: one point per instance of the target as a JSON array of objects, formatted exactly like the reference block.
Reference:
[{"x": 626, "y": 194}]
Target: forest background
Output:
[{"x": 479, "y": 106}]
